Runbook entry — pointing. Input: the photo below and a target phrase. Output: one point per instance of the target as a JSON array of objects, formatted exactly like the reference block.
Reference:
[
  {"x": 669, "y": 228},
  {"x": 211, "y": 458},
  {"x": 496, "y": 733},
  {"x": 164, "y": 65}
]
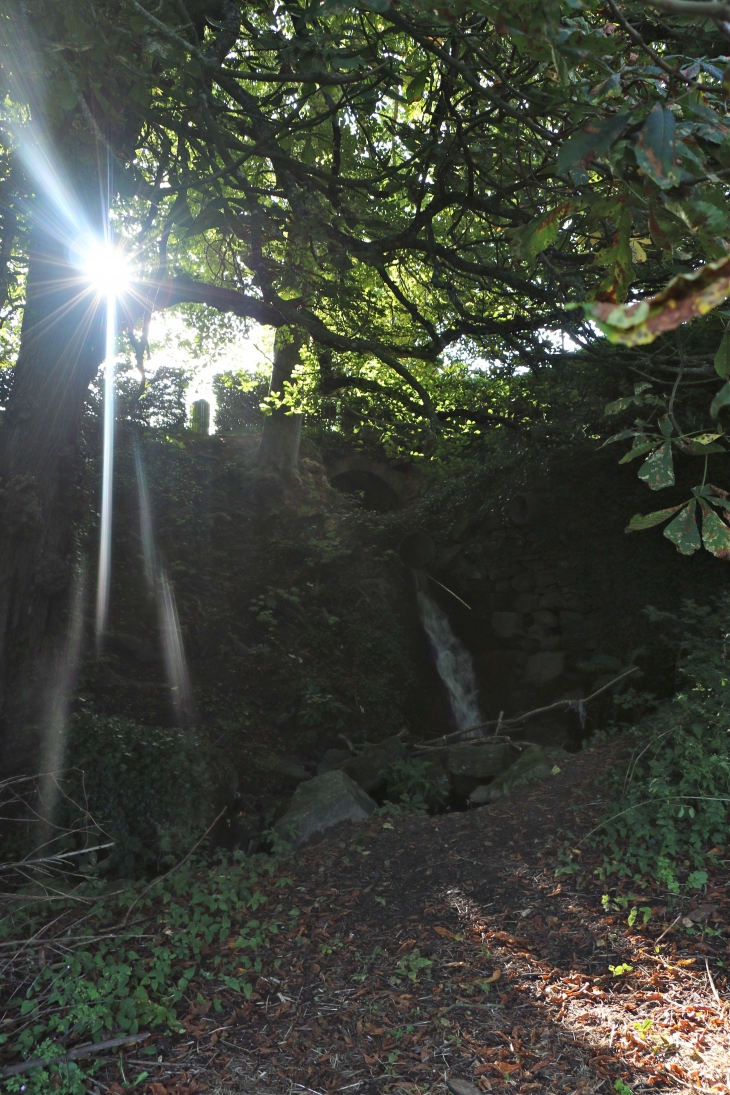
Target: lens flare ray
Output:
[{"x": 173, "y": 649}]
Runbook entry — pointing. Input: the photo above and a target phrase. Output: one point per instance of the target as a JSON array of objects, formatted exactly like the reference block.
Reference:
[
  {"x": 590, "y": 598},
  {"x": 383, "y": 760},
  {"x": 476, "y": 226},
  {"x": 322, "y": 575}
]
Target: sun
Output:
[{"x": 106, "y": 268}]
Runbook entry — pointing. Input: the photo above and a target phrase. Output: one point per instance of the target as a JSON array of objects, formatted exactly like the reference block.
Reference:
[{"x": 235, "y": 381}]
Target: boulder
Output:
[
  {"x": 367, "y": 768},
  {"x": 320, "y": 803},
  {"x": 531, "y": 765},
  {"x": 480, "y": 761}
]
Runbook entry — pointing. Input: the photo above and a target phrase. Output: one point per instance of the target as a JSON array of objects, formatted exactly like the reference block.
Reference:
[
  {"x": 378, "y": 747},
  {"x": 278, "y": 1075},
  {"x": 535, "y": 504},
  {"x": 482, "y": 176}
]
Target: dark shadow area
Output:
[{"x": 372, "y": 492}]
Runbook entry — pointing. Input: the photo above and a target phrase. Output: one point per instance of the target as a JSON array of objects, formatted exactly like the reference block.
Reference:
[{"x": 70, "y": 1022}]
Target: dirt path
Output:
[{"x": 443, "y": 948}]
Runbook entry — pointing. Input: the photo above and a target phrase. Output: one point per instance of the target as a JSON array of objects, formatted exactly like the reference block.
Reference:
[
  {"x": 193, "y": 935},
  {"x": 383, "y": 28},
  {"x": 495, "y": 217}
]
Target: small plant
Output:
[
  {"x": 413, "y": 964},
  {"x": 417, "y": 787},
  {"x": 672, "y": 802}
]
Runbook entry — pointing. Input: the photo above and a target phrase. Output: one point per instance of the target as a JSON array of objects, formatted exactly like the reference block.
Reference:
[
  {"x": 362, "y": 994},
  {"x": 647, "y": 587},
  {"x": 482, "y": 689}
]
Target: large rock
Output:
[
  {"x": 531, "y": 765},
  {"x": 480, "y": 761},
  {"x": 368, "y": 768},
  {"x": 321, "y": 803}
]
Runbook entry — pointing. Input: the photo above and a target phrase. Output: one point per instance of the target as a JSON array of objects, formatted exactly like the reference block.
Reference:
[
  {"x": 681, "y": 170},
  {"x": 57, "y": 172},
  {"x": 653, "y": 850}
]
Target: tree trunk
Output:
[
  {"x": 62, "y": 346},
  {"x": 278, "y": 449}
]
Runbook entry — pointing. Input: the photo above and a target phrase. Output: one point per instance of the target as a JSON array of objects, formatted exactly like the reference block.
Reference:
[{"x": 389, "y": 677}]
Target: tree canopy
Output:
[{"x": 407, "y": 187}]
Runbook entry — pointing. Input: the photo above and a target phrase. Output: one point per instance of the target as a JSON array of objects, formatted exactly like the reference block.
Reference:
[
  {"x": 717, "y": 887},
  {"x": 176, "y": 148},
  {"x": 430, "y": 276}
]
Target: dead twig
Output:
[
  {"x": 438, "y": 743},
  {"x": 89, "y": 1049}
]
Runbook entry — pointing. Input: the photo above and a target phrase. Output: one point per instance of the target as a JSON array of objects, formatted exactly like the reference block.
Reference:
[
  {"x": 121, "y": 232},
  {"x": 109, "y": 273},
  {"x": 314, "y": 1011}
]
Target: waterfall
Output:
[{"x": 453, "y": 661}]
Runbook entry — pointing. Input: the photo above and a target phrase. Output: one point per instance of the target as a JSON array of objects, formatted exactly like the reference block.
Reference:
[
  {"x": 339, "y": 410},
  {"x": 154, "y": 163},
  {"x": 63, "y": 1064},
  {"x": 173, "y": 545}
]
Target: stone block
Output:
[
  {"x": 507, "y": 624},
  {"x": 552, "y": 598},
  {"x": 571, "y": 621},
  {"x": 523, "y": 602},
  {"x": 545, "y": 617},
  {"x": 523, "y": 582},
  {"x": 321, "y": 803},
  {"x": 479, "y": 761},
  {"x": 544, "y": 667}
]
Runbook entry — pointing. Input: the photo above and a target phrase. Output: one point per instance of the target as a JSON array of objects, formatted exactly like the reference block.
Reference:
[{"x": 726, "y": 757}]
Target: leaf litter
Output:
[{"x": 443, "y": 951}]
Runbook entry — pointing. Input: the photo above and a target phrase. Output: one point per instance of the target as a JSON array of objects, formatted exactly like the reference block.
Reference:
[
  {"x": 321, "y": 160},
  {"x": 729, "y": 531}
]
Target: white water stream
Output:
[{"x": 453, "y": 661}]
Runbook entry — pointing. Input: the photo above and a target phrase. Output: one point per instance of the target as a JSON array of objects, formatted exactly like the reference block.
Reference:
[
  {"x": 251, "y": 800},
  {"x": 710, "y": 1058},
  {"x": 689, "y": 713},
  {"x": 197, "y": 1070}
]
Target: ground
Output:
[{"x": 443, "y": 949}]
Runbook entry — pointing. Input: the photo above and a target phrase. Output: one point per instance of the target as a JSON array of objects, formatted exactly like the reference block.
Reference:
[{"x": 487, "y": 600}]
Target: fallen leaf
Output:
[
  {"x": 443, "y": 931},
  {"x": 157, "y": 1089},
  {"x": 462, "y": 1087},
  {"x": 495, "y": 977}
]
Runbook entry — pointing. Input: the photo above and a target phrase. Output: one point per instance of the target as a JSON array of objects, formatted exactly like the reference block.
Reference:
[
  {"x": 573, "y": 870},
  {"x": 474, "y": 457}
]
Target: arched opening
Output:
[{"x": 370, "y": 490}]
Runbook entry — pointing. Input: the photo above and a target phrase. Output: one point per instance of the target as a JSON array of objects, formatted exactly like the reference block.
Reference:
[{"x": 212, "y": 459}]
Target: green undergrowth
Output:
[
  {"x": 130, "y": 959},
  {"x": 670, "y": 803}
]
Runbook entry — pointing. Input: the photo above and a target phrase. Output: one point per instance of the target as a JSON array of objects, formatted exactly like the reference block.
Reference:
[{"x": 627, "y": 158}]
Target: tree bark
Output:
[
  {"x": 62, "y": 346},
  {"x": 278, "y": 449}
]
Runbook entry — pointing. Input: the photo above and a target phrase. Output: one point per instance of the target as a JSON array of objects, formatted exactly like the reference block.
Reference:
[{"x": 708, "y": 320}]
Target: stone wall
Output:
[{"x": 556, "y": 588}]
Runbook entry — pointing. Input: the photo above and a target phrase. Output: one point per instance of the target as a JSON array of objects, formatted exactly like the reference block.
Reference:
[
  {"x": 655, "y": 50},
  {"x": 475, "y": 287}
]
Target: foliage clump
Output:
[
  {"x": 673, "y": 803},
  {"x": 151, "y": 789}
]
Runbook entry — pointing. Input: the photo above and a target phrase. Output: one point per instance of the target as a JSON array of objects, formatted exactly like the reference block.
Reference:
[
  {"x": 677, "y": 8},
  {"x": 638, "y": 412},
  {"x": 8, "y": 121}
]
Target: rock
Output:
[
  {"x": 331, "y": 759},
  {"x": 485, "y": 794},
  {"x": 545, "y": 666},
  {"x": 545, "y": 617},
  {"x": 507, "y": 624},
  {"x": 531, "y": 765},
  {"x": 322, "y": 802},
  {"x": 570, "y": 620},
  {"x": 479, "y": 761},
  {"x": 523, "y": 582},
  {"x": 367, "y": 768},
  {"x": 551, "y": 598},
  {"x": 523, "y": 602},
  {"x": 552, "y": 642}
]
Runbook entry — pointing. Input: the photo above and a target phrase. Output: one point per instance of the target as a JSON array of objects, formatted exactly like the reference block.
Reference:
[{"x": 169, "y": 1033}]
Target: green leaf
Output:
[
  {"x": 655, "y": 151},
  {"x": 592, "y": 141},
  {"x": 665, "y": 425},
  {"x": 621, "y": 404},
  {"x": 638, "y": 450},
  {"x": 722, "y": 399},
  {"x": 621, "y": 436},
  {"x": 683, "y": 531},
  {"x": 417, "y": 84},
  {"x": 657, "y": 471},
  {"x": 529, "y": 241},
  {"x": 648, "y": 520},
  {"x": 715, "y": 533}
]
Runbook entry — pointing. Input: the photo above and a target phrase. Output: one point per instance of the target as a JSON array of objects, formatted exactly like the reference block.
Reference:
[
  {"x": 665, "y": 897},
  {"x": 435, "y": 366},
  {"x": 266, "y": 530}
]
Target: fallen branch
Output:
[
  {"x": 90, "y": 1049},
  {"x": 518, "y": 720}
]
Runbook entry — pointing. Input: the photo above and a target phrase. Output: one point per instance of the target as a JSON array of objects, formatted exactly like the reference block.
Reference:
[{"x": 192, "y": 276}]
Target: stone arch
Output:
[{"x": 382, "y": 487}]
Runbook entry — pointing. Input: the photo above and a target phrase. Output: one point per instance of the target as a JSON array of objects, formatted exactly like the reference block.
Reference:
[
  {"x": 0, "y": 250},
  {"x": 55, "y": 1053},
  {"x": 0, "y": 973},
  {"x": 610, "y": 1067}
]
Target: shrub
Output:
[
  {"x": 672, "y": 803},
  {"x": 417, "y": 787},
  {"x": 152, "y": 790}
]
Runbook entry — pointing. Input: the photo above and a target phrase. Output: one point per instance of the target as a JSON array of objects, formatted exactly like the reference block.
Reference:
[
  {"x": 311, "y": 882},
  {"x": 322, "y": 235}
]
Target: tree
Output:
[{"x": 392, "y": 189}]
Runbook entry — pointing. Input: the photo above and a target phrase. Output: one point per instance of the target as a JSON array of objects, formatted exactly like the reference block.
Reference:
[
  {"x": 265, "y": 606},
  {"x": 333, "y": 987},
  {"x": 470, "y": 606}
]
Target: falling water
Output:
[
  {"x": 105, "y": 538},
  {"x": 173, "y": 651},
  {"x": 453, "y": 661}
]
